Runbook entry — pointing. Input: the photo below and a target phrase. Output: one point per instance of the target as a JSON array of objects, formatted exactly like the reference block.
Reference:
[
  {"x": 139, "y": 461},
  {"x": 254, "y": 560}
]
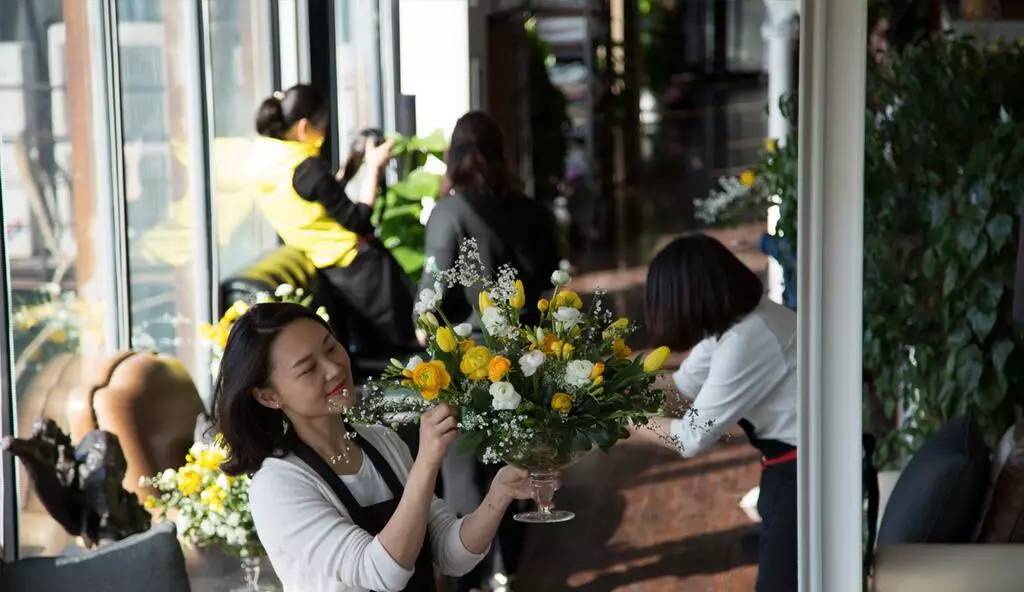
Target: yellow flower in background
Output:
[
  {"x": 446, "y": 340},
  {"x": 656, "y": 359},
  {"x": 150, "y": 502},
  {"x": 547, "y": 345},
  {"x": 598, "y": 381},
  {"x": 237, "y": 309},
  {"x": 214, "y": 497},
  {"x": 497, "y": 368},
  {"x": 616, "y": 328},
  {"x": 597, "y": 371},
  {"x": 620, "y": 349},
  {"x": 474, "y": 362},
  {"x": 543, "y": 304},
  {"x": 771, "y": 145},
  {"x": 431, "y": 378},
  {"x": 211, "y": 458},
  {"x": 484, "y": 301},
  {"x": 59, "y": 336},
  {"x": 567, "y": 298},
  {"x": 561, "y": 403},
  {"x": 189, "y": 480},
  {"x": 518, "y": 299},
  {"x": 747, "y": 178}
]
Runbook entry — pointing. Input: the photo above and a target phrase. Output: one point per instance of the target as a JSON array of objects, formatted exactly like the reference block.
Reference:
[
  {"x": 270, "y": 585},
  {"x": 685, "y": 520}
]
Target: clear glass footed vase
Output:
[
  {"x": 544, "y": 458},
  {"x": 251, "y": 569}
]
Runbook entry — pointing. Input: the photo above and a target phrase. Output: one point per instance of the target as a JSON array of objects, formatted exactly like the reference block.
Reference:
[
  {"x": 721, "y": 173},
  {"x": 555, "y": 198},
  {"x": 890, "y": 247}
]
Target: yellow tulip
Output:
[
  {"x": 616, "y": 328},
  {"x": 484, "y": 301},
  {"x": 446, "y": 340},
  {"x": 518, "y": 299},
  {"x": 474, "y": 363},
  {"x": 431, "y": 378},
  {"x": 656, "y": 359},
  {"x": 561, "y": 403},
  {"x": 497, "y": 368}
]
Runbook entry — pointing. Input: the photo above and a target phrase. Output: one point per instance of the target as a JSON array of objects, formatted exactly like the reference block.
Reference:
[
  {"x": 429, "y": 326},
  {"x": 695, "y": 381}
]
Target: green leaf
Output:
[
  {"x": 966, "y": 237},
  {"x": 981, "y": 322},
  {"x": 928, "y": 263},
  {"x": 950, "y": 282},
  {"x": 979, "y": 253},
  {"x": 968, "y": 373},
  {"x": 1000, "y": 352},
  {"x": 999, "y": 228}
]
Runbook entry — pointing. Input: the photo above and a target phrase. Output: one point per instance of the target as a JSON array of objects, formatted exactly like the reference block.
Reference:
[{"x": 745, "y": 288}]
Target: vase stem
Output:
[{"x": 544, "y": 484}]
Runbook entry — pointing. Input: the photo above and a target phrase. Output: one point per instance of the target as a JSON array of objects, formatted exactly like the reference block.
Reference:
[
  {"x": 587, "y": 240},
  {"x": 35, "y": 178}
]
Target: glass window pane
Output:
[
  {"x": 241, "y": 54},
  {"x": 57, "y": 205},
  {"x": 163, "y": 175}
]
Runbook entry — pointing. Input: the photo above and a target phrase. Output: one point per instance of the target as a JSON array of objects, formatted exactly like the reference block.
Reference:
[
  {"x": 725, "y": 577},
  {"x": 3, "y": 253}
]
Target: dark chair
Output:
[
  {"x": 288, "y": 265},
  {"x": 151, "y": 560}
]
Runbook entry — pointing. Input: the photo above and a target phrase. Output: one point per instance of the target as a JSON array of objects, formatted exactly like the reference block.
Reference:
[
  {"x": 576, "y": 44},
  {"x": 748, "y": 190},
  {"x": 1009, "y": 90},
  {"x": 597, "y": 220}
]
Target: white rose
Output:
[
  {"x": 577, "y": 373},
  {"x": 530, "y": 362},
  {"x": 464, "y": 330},
  {"x": 505, "y": 396},
  {"x": 284, "y": 290},
  {"x": 413, "y": 362},
  {"x": 568, "y": 316},
  {"x": 559, "y": 278},
  {"x": 495, "y": 322}
]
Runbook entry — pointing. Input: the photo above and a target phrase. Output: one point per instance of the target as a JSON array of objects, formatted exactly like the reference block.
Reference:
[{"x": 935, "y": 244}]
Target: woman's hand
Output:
[
  {"x": 438, "y": 429},
  {"x": 511, "y": 483},
  {"x": 376, "y": 157}
]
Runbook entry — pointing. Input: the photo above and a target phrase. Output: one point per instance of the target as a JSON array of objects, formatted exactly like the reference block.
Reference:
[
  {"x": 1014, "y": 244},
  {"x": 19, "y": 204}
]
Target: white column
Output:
[
  {"x": 830, "y": 263},
  {"x": 779, "y": 31}
]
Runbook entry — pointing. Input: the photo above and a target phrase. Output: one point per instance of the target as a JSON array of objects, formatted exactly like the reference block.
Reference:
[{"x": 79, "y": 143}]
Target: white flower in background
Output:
[
  {"x": 51, "y": 288},
  {"x": 530, "y": 362},
  {"x": 435, "y": 166},
  {"x": 568, "y": 316},
  {"x": 495, "y": 322},
  {"x": 505, "y": 396},
  {"x": 429, "y": 299},
  {"x": 577, "y": 373},
  {"x": 234, "y": 519},
  {"x": 413, "y": 362},
  {"x": 464, "y": 330},
  {"x": 208, "y": 527},
  {"x": 427, "y": 203},
  {"x": 262, "y": 297},
  {"x": 559, "y": 278},
  {"x": 167, "y": 479},
  {"x": 284, "y": 290},
  {"x": 322, "y": 313}
]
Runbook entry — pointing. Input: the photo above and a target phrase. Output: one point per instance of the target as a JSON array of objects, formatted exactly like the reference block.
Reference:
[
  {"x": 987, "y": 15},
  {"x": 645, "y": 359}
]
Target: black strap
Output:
[{"x": 869, "y": 477}]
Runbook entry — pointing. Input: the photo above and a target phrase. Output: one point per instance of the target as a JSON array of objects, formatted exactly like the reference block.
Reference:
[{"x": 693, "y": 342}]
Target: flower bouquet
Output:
[
  {"x": 209, "y": 507},
  {"x": 536, "y": 396}
]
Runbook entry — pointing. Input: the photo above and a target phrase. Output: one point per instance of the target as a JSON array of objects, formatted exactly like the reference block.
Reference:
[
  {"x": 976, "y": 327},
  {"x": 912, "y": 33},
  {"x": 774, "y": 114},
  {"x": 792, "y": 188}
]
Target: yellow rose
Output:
[
  {"x": 567, "y": 298},
  {"x": 771, "y": 145},
  {"x": 431, "y": 378},
  {"x": 446, "y": 340},
  {"x": 561, "y": 403},
  {"x": 497, "y": 368},
  {"x": 189, "y": 480},
  {"x": 484, "y": 301},
  {"x": 543, "y": 304},
  {"x": 474, "y": 362},
  {"x": 214, "y": 497},
  {"x": 620, "y": 349},
  {"x": 211, "y": 458},
  {"x": 747, "y": 178},
  {"x": 597, "y": 371},
  {"x": 656, "y": 359},
  {"x": 518, "y": 300}
]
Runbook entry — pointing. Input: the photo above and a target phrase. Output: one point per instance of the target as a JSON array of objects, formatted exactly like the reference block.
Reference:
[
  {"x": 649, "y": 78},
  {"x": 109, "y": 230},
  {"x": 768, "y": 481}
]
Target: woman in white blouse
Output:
[
  {"x": 741, "y": 369},
  {"x": 339, "y": 509}
]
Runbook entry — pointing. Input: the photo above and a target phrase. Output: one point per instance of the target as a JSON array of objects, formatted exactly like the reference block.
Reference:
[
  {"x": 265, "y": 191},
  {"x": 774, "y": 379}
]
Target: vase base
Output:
[{"x": 551, "y": 517}]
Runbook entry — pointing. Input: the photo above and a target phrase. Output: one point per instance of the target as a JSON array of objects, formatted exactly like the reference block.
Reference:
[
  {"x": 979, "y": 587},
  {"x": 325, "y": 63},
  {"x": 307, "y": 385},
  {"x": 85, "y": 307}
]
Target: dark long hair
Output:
[
  {"x": 281, "y": 110},
  {"x": 476, "y": 157},
  {"x": 252, "y": 431},
  {"x": 357, "y": 152},
  {"x": 697, "y": 288}
]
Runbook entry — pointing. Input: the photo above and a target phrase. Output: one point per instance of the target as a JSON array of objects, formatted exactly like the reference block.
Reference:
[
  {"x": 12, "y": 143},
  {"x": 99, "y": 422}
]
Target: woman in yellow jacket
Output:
[{"x": 308, "y": 207}]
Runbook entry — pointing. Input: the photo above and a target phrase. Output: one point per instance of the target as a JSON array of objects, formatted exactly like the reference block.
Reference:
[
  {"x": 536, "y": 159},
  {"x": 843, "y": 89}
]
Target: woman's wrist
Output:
[{"x": 496, "y": 500}]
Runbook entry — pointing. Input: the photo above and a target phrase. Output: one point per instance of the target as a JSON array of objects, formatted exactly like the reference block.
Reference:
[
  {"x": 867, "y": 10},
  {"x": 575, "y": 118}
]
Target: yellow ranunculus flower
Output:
[
  {"x": 210, "y": 459},
  {"x": 620, "y": 349},
  {"x": 484, "y": 301},
  {"x": 567, "y": 298},
  {"x": 446, "y": 340},
  {"x": 214, "y": 497},
  {"x": 497, "y": 368},
  {"x": 518, "y": 299},
  {"x": 474, "y": 362},
  {"x": 598, "y": 370},
  {"x": 656, "y": 359},
  {"x": 543, "y": 304},
  {"x": 189, "y": 480},
  {"x": 465, "y": 345},
  {"x": 561, "y": 403},
  {"x": 431, "y": 378},
  {"x": 748, "y": 177}
]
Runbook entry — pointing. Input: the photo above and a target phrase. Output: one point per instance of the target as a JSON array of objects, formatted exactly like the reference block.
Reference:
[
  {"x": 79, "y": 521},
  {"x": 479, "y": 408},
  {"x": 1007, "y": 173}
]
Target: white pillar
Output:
[
  {"x": 830, "y": 264},
  {"x": 779, "y": 31}
]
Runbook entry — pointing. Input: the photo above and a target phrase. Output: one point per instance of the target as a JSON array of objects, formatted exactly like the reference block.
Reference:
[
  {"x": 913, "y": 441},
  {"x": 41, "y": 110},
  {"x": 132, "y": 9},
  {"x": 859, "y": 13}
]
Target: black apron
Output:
[{"x": 373, "y": 518}]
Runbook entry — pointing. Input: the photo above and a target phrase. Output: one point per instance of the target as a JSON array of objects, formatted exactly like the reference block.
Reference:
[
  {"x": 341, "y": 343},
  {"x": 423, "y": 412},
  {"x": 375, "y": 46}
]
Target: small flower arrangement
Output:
[
  {"x": 208, "y": 506},
  {"x": 216, "y": 336},
  {"x": 742, "y": 198},
  {"x": 532, "y": 395}
]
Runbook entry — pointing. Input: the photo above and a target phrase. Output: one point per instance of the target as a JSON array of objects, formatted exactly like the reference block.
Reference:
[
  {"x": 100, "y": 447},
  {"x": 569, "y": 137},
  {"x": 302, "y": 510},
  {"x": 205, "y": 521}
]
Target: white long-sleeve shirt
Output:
[
  {"x": 749, "y": 372},
  {"x": 311, "y": 540}
]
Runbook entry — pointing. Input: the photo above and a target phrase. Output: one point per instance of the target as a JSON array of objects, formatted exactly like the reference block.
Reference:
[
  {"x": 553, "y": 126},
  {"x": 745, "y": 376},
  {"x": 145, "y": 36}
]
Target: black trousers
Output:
[
  {"x": 776, "y": 565},
  {"x": 373, "y": 300}
]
